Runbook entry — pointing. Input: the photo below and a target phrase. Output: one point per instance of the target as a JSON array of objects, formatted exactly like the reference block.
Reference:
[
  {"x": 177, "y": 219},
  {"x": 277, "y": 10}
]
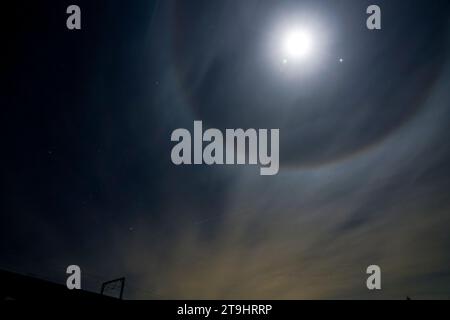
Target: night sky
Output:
[{"x": 364, "y": 178}]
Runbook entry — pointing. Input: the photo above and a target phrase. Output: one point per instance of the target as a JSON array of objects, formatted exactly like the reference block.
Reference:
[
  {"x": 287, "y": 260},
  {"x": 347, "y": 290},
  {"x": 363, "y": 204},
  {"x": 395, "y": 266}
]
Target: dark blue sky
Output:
[{"x": 364, "y": 177}]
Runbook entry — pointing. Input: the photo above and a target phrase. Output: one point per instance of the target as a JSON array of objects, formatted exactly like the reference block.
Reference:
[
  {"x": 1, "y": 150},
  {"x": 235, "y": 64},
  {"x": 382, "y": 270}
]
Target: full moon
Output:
[{"x": 297, "y": 44}]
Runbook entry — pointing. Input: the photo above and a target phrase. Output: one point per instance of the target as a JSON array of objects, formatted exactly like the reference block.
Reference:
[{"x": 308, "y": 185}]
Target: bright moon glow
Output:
[{"x": 297, "y": 44}]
